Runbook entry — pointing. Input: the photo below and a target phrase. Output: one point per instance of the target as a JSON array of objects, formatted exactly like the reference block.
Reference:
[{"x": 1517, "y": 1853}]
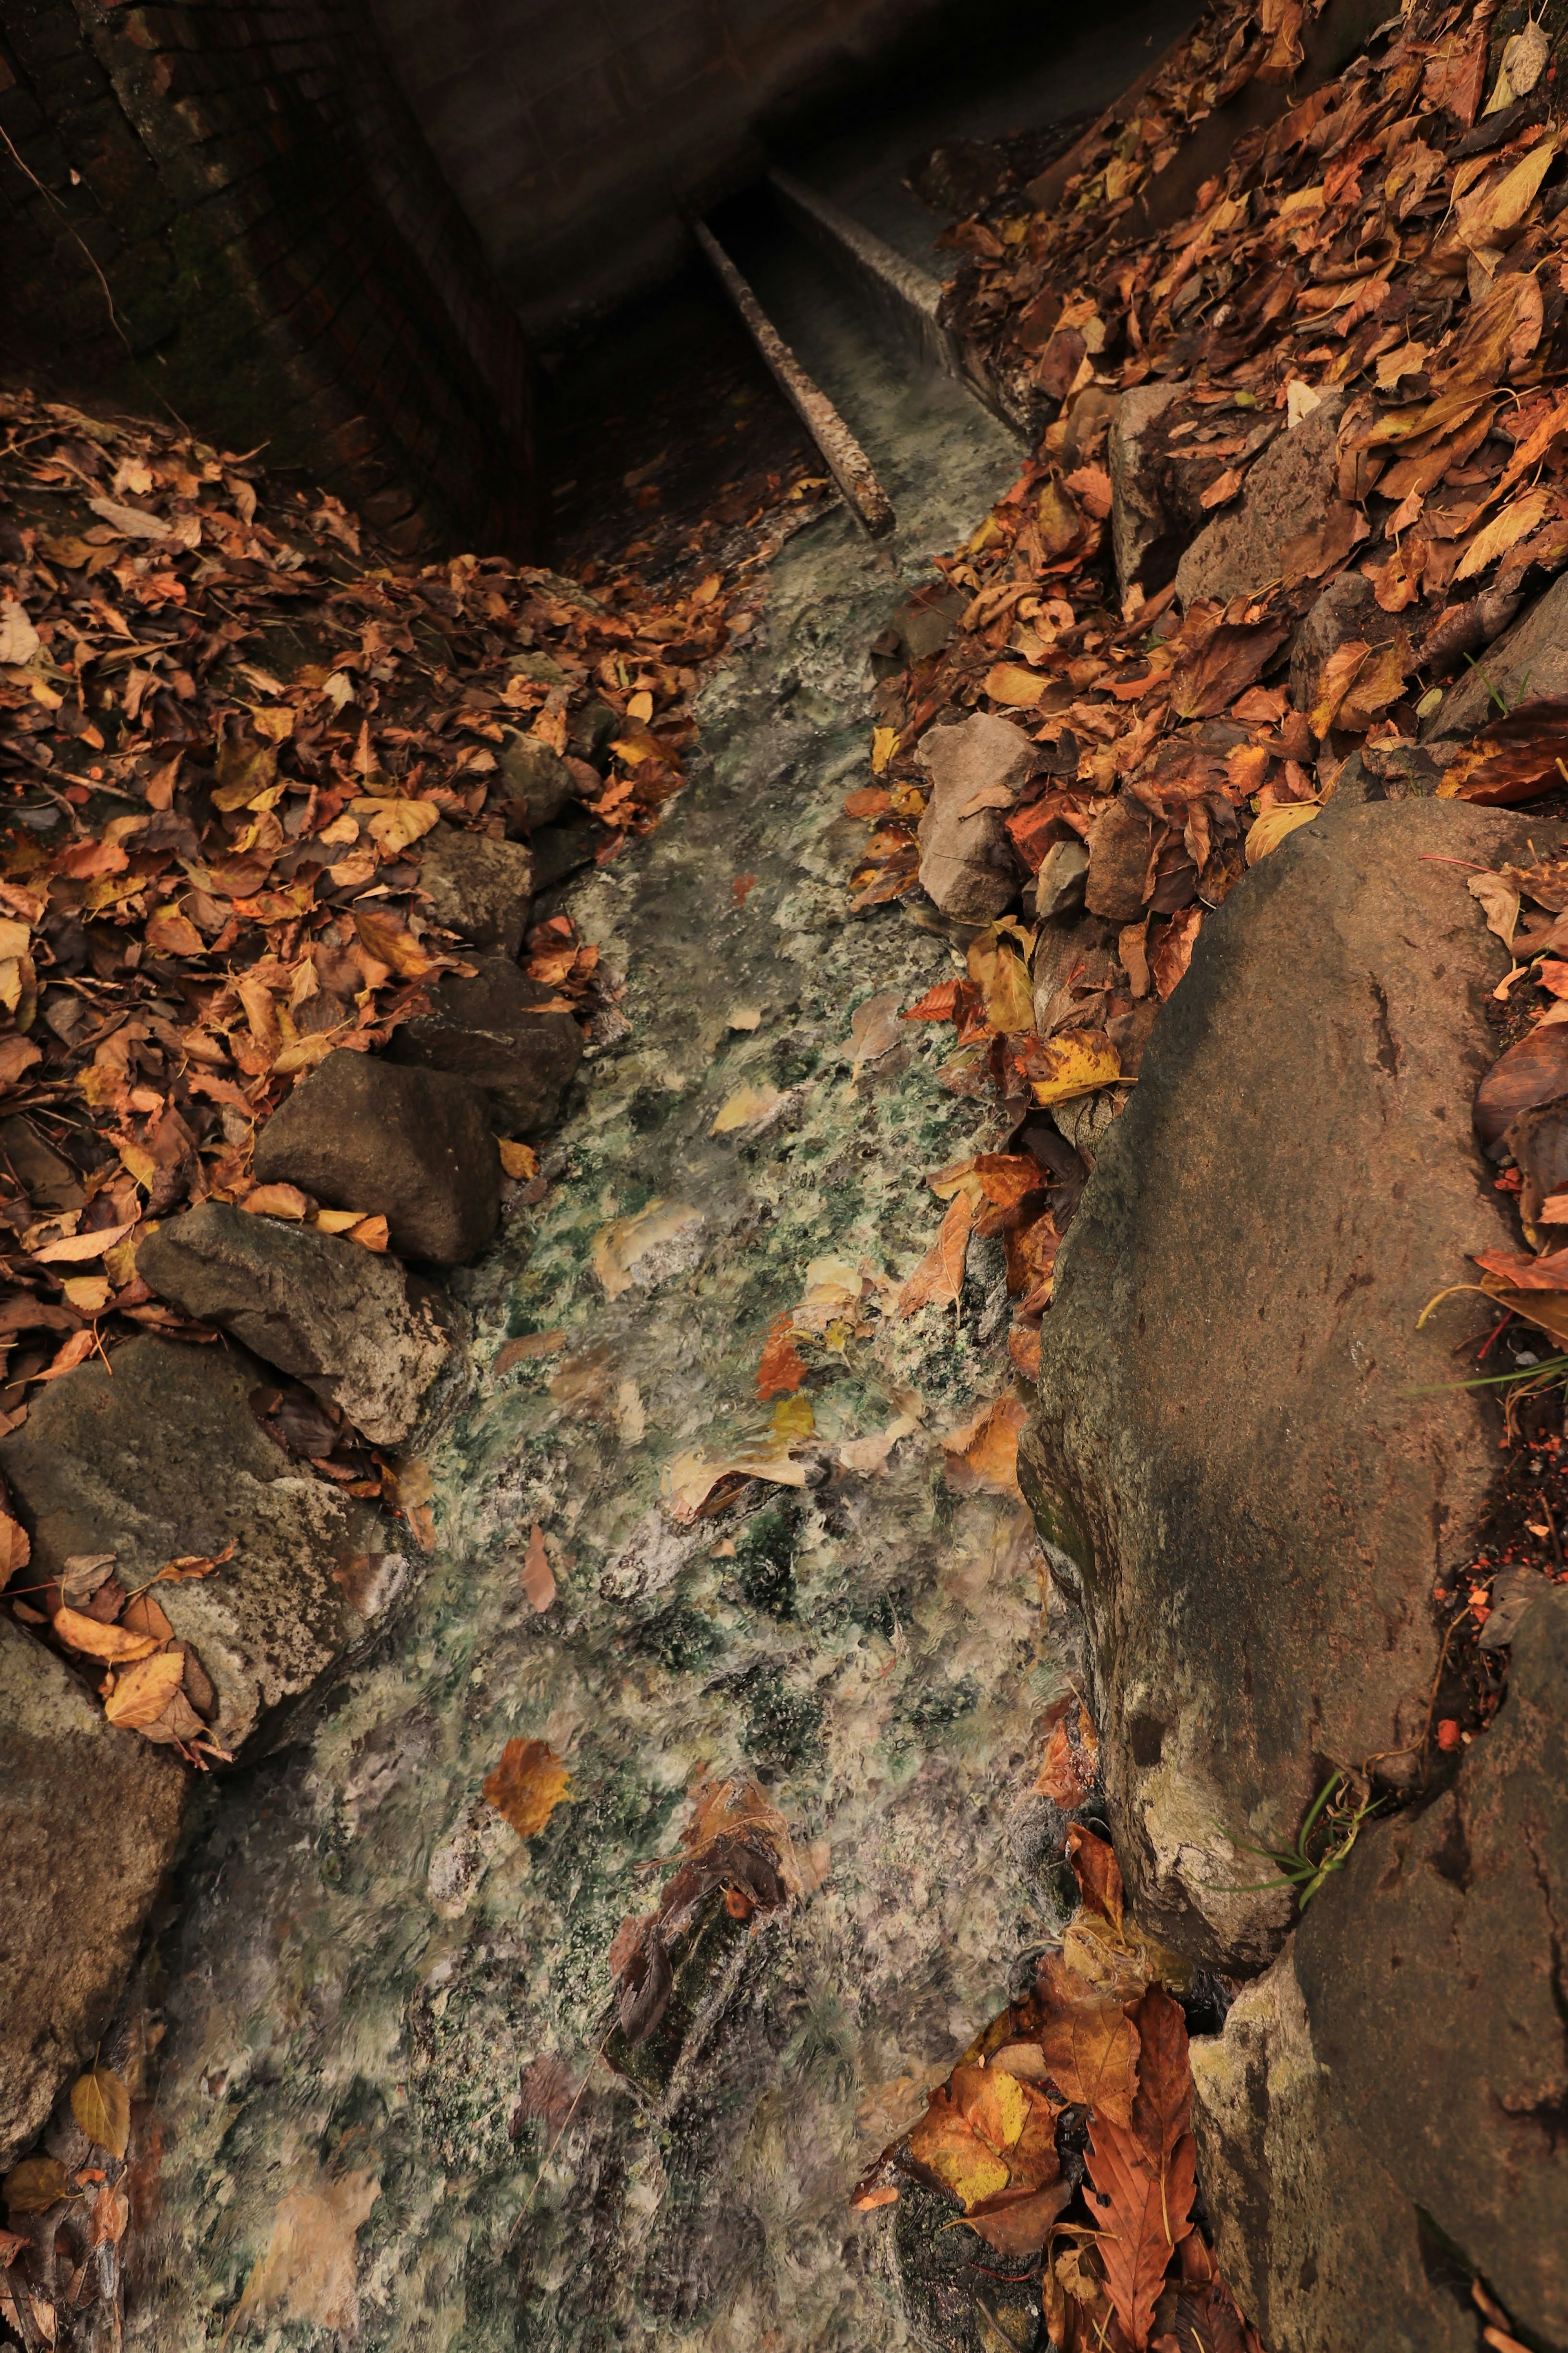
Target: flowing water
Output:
[{"x": 362, "y": 1958}]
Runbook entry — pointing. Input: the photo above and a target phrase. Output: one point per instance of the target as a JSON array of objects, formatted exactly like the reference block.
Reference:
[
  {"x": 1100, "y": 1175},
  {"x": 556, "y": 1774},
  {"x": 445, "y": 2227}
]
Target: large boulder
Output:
[
  {"x": 1288, "y": 490},
  {"x": 88, "y": 1821},
  {"x": 163, "y": 1459},
  {"x": 334, "y": 1315},
  {"x": 412, "y": 1145},
  {"x": 1406, "y": 2057},
  {"x": 1530, "y": 661},
  {"x": 967, "y": 864},
  {"x": 1249, "y": 1499},
  {"x": 479, "y": 888},
  {"x": 491, "y": 1031}
]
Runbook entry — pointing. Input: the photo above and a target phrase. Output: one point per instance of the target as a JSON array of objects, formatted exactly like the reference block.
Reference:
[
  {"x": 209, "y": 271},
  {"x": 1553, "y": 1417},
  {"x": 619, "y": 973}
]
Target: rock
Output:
[
  {"x": 967, "y": 866},
  {"x": 1120, "y": 845},
  {"x": 535, "y": 783},
  {"x": 1060, "y": 883},
  {"x": 323, "y": 1309},
  {"x": 412, "y": 1145},
  {"x": 88, "y": 1821},
  {"x": 1406, "y": 2057},
  {"x": 562, "y": 850},
  {"x": 1288, "y": 490},
  {"x": 1254, "y": 1507},
  {"x": 487, "y": 1030},
  {"x": 1347, "y": 608},
  {"x": 1530, "y": 658},
  {"x": 1141, "y": 532},
  {"x": 479, "y": 888},
  {"x": 1319, "y": 2243},
  {"x": 165, "y": 1459}
]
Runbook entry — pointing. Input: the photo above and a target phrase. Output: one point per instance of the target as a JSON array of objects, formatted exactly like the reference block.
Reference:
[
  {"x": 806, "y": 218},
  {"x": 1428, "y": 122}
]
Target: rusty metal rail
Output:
[{"x": 841, "y": 453}]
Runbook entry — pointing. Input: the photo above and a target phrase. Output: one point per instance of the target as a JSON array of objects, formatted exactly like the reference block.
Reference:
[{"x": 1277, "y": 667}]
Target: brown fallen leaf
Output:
[
  {"x": 1534, "y": 1071},
  {"x": 538, "y": 1580},
  {"x": 143, "y": 1693},
  {"x": 938, "y": 1278},
  {"x": 307, "y": 2272},
  {"x": 16, "y": 1548},
  {"x": 101, "y": 2106},
  {"x": 983, "y": 1451},
  {"x": 527, "y": 1785},
  {"x": 113, "y": 1644},
  {"x": 35, "y": 2185}
]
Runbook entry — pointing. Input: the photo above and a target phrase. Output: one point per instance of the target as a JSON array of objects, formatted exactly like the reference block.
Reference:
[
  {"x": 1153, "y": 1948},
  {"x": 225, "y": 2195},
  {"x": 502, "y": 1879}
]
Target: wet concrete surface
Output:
[{"x": 362, "y": 1958}]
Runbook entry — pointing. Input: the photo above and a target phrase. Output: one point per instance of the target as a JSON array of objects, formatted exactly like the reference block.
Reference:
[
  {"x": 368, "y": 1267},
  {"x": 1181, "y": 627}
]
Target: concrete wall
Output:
[
  {"x": 285, "y": 260},
  {"x": 574, "y": 132}
]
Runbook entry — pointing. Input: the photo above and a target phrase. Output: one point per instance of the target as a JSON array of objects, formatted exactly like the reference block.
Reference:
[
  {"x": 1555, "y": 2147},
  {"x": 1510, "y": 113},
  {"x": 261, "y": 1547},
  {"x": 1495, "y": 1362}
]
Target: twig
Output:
[{"x": 51, "y": 199}]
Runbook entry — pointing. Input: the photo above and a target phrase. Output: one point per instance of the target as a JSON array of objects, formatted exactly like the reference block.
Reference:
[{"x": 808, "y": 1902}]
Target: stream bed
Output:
[{"x": 361, "y": 1958}]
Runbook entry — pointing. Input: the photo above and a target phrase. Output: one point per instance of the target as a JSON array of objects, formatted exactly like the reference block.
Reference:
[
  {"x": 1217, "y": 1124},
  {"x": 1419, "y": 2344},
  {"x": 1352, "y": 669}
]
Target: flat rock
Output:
[
  {"x": 479, "y": 888},
  {"x": 1528, "y": 659},
  {"x": 1288, "y": 490},
  {"x": 1250, "y": 1505},
  {"x": 165, "y": 1459},
  {"x": 967, "y": 864},
  {"x": 1406, "y": 2056},
  {"x": 88, "y": 1819},
  {"x": 412, "y": 1145},
  {"x": 1061, "y": 879},
  {"x": 324, "y": 1309},
  {"x": 489, "y": 1031},
  {"x": 1141, "y": 532}
]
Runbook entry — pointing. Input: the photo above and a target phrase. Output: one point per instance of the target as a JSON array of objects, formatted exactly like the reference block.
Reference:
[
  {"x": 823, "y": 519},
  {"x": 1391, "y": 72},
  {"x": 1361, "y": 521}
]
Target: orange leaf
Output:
[
  {"x": 527, "y": 1785},
  {"x": 1097, "y": 1872},
  {"x": 110, "y": 1643},
  {"x": 1090, "y": 2054},
  {"x": 144, "y": 1691},
  {"x": 938, "y": 1004},
  {"x": 983, "y": 1452},
  {"x": 538, "y": 1582},
  {"x": 940, "y": 1274},
  {"x": 783, "y": 1367}
]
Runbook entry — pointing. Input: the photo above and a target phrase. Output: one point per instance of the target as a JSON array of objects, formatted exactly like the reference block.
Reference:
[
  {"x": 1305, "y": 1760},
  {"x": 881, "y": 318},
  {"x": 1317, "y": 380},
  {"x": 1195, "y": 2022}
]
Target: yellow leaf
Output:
[
  {"x": 1274, "y": 825},
  {"x": 746, "y": 1108},
  {"x": 89, "y": 1295},
  {"x": 1004, "y": 980},
  {"x": 144, "y": 1691},
  {"x": 527, "y": 1785},
  {"x": 1493, "y": 217},
  {"x": 113, "y": 1644},
  {"x": 793, "y": 1418},
  {"x": 276, "y": 1201},
  {"x": 884, "y": 740},
  {"x": 643, "y": 1240},
  {"x": 101, "y": 2106},
  {"x": 519, "y": 1159},
  {"x": 1010, "y": 683},
  {"x": 16, "y": 1548},
  {"x": 1073, "y": 1063},
  {"x": 396, "y": 824},
  {"x": 1518, "y": 519}
]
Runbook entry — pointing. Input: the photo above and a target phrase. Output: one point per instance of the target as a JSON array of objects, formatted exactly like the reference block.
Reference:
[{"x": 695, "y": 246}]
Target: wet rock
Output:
[
  {"x": 488, "y": 1031},
  {"x": 1406, "y": 2057},
  {"x": 412, "y": 1145},
  {"x": 88, "y": 1819},
  {"x": 967, "y": 866},
  {"x": 1060, "y": 883},
  {"x": 1120, "y": 845},
  {"x": 323, "y": 1309},
  {"x": 165, "y": 1459},
  {"x": 1530, "y": 659},
  {"x": 535, "y": 783},
  {"x": 479, "y": 888},
  {"x": 1347, "y": 608},
  {"x": 1288, "y": 491},
  {"x": 1142, "y": 533},
  {"x": 1226, "y": 1446},
  {"x": 1317, "y": 2239}
]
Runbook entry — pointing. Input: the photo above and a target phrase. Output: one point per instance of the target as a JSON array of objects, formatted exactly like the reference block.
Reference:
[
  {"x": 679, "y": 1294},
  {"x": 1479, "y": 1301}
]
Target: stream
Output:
[{"x": 361, "y": 1958}]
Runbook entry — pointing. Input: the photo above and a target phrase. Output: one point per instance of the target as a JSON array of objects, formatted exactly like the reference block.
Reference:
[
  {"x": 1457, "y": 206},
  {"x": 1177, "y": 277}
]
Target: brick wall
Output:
[
  {"x": 285, "y": 262},
  {"x": 576, "y": 131}
]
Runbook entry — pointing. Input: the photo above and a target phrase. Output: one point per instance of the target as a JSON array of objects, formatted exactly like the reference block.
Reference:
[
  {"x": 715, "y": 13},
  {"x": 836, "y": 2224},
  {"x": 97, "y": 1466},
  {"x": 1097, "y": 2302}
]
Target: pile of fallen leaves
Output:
[
  {"x": 1064, "y": 2135},
  {"x": 1394, "y": 239}
]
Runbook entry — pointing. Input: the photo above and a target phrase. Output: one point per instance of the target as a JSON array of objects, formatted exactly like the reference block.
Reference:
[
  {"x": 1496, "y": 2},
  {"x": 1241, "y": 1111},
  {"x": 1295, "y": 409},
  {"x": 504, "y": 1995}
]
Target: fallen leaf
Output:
[
  {"x": 35, "y": 2185},
  {"x": 1534, "y": 1071},
  {"x": 874, "y": 1030},
  {"x": 276, "y": 1201},
  {"x": 1518, "y": 519},
  {"x": 783, "y": 1367},
  {"x": 537, "y": 1581},
  {"x": 938, "y": 1278},
  {"x": 1074, "y": 1063},
  {"x": 143, "y": 1693},
  {"x": 1499, "y": 902},
  {"x": 984, "y": 1450},
  {"x": 77, "y": 1247},
  {"x": 1012, "y": 685},
  {"x": 641, "y": 1249},
  {"x": 16, "y": 1548},
  {"x": 527, "y": 1785},
  {"x": 307, "y": 2273},
  {"x": 101, "y": 2106},
  {"x": 1276, "y": 825},
  {"x": 518, "y": 1160},
  {"x": 18, "y": 639},
  {"x": 747, "y": 1107},
  {"x": 109, "y": 1643}
]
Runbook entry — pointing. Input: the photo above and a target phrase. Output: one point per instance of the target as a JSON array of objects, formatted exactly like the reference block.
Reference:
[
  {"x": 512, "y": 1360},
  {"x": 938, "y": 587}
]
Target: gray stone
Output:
[
  {"x": 1141, "y": 531},
  {"x": 488, "y": 1031},
  {"x": 326, "y": 1311},
  {"x": 1059, "y": 882},
  {"x": 479, "y": 888},
  {"x": 1319, "y": 2243},
  {"x": 88, "y": 1821},
  {"x": 1405, "y": 2057},
  {"x": 1288, "y": 490},
  {"x": 412, "y": 1145},
  {"x": 1347, "y": 608},
  {"x": 534, "y": 784},
  {"x": 967, "y": 865},
  {"x": 165, "y": 1459},
  {"x": 1527, "y": 661},
  {"x": 1227, "y": 1444}
]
